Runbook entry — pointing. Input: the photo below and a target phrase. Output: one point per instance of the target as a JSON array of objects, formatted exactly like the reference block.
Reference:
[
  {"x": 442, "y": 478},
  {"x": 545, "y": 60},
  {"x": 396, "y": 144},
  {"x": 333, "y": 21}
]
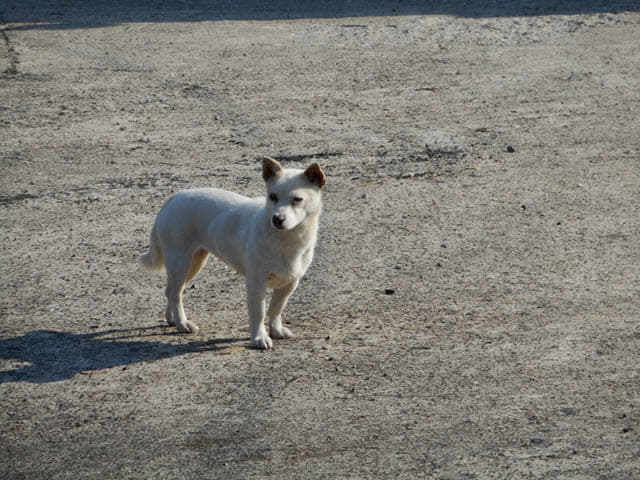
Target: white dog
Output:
[{"x": 268, "y": 240}]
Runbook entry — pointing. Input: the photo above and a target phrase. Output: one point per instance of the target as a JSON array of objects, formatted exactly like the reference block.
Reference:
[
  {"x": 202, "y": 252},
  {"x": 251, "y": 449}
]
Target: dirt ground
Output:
[{"x": 473, "y": 308}]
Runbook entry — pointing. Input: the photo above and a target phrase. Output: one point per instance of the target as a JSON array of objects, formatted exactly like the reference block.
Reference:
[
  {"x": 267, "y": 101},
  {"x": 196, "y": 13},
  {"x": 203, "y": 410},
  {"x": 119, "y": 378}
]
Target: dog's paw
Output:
[
  {"x": 281, "y": 332},
  {"x": 262, "y": 342},
  {"x": 187, "y": 327}
]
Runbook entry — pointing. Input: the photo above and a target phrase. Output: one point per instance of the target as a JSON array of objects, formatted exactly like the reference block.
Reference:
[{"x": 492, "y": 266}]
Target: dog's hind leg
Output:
[
  {"x": 197, "y": 262},
  {"x": 178, "y": 268},
  {"x": 167, "y": 314}
]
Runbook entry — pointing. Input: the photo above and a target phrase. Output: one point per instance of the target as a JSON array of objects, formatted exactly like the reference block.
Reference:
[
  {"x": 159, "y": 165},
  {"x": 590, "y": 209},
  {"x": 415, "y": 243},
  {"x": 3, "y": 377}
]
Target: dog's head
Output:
[{"x": 292, "y": 195}]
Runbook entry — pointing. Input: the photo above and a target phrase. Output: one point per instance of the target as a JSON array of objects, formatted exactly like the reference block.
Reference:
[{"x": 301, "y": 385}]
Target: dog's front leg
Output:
[
  {"x": 278, "y": 302},
  {"x": 256, "y": 292}
]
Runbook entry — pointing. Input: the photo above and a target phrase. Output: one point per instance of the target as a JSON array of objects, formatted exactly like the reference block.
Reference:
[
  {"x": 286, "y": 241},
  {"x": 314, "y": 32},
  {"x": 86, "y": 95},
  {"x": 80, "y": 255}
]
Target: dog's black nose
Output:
[{"x": 278, "y": 220}]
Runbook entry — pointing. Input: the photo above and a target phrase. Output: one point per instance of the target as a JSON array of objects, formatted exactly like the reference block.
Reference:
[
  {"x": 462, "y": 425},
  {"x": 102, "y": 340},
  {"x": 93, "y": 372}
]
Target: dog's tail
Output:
[{"x": 152, "y": 260}]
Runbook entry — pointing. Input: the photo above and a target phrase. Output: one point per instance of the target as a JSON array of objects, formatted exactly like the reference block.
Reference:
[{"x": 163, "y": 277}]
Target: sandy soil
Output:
[{"x": 472, "y": 311}]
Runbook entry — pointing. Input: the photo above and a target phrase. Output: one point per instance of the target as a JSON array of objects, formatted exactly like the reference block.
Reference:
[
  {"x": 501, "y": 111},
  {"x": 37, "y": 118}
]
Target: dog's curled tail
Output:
[{"x": 152, "y": 260}]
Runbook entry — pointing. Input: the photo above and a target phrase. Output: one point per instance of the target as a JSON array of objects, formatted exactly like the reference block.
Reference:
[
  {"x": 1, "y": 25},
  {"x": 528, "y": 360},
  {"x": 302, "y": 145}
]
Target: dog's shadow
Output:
[{"x": 44, "y": 356}]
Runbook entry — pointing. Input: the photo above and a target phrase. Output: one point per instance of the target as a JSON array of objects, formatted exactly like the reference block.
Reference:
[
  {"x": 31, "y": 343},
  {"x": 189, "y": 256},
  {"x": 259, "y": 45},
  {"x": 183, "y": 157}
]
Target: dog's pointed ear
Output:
[
  {"x": 271, "y": 168},
  {"x": 315, "y": 175}
]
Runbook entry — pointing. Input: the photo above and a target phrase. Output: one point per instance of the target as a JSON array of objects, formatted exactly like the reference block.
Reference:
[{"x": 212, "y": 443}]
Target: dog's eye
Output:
[
  {"x": 273, "y": 197},
  {"x": 296, "y": 200}
]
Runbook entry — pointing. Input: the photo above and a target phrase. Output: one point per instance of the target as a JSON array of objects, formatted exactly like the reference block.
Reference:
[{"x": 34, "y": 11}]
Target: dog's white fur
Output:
[{"x": 270, "y": 240}]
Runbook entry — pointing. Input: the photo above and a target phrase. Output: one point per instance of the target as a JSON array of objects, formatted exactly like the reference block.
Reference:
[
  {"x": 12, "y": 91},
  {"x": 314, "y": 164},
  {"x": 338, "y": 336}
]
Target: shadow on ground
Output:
[
  {"x": 46, "y": 356},
  {"x": 64, "y": 14}
]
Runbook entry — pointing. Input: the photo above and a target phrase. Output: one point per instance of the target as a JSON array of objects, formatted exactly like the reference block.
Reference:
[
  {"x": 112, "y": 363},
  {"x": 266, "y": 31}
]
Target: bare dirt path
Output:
[{"x": 472, "y": 311}]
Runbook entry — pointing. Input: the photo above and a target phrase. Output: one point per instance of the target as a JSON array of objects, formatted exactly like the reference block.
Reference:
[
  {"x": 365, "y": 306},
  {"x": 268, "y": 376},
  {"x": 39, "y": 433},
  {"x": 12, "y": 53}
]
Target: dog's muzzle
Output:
[{"x": 278, "y": 221}]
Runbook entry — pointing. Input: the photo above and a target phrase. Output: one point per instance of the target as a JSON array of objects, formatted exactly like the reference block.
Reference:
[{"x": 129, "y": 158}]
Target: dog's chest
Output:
[{"x": 289, "y": 269}]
